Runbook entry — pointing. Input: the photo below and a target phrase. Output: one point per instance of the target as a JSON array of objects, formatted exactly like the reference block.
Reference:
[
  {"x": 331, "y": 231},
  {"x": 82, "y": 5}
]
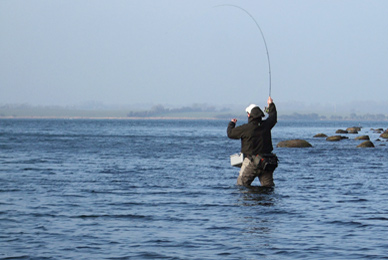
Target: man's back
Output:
[{"x": 256, "y": 134}]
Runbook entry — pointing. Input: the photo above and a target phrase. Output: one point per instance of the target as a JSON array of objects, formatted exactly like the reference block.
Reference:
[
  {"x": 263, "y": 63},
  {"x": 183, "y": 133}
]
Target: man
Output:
[{"x": 256, "y": 141}]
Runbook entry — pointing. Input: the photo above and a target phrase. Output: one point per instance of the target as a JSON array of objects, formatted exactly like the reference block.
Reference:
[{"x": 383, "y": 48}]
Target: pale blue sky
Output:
[{"x": 175, "y": 52}]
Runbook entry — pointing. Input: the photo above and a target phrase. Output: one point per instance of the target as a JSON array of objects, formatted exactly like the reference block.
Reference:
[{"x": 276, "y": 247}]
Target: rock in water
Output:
[
  {"x": 353, "y": 130},
  {"x": 377, "y": 131},
  {"x": 366, "y": 144},
  {"x": 362, "y": 137},
  {"x": 340, "y": 131},
  {"x": 336, "y": 138},
  {"x": 320, "y": 135},
  {"x": 298, "y": 143},
  {"x": 384, "y": 135}
]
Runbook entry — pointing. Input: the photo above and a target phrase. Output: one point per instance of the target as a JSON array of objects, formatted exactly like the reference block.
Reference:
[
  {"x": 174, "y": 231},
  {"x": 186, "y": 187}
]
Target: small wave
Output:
[
  {"x": 116, "y": 216},
  {"x": 378, "y": 218},
  {"x": 9, "y": 220},
  {"x": 5, "y": 147},
  {"x": 352, "y": 201},
  {"x": 89, "y": 247},
  {"x": 220, "y": 228},
  {"x": 347, "y": 223},
  {"x": 119, "y": 258},
  {"x": 16, "y": 257},
  {"x": 9, "y": 190},
  {"x": 150, "y": 255},
  {"x": 40, "y": 170}
]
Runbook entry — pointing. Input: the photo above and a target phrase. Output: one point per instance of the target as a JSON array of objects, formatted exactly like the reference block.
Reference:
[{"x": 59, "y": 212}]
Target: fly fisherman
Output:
[{"x": 256, "y": 145}]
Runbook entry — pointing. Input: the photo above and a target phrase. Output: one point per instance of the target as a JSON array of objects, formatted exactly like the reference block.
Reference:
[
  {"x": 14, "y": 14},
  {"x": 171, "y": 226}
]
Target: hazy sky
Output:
[{"x": 175, "y": 52}]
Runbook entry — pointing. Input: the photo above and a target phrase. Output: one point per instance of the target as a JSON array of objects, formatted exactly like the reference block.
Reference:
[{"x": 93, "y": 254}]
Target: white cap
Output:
[{"x": 250, "y": 107}]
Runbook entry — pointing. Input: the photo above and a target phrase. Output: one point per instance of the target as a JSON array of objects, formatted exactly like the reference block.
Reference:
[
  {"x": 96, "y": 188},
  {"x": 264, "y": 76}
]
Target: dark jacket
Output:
[{"x": 256, "y": 134}]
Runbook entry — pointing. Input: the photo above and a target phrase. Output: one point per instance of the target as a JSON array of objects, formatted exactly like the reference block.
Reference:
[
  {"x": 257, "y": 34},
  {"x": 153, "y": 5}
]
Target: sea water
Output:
[{"x": 165, "y": 189}]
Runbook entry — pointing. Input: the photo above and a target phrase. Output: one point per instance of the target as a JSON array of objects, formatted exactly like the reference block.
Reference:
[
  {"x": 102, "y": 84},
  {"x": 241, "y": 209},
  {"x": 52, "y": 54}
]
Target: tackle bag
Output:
[{"x": 266, "y": 162}]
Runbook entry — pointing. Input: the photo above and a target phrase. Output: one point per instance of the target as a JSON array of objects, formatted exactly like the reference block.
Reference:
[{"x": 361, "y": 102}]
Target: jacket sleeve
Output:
[
  {"x": 272, "y": 115},
  {"x": 233, "y": 131}
]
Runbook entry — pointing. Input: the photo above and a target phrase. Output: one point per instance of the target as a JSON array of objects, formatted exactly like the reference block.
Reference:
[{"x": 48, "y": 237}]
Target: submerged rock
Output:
[
  {"x": 366, "y": 144},
  {"x": 294, "y": 143},
  {"x": 336, "y": 138},
  {"x": 378, "y": 130},
  {"x": 320, "y": 135},
  {"x": 362, "y": 137}
]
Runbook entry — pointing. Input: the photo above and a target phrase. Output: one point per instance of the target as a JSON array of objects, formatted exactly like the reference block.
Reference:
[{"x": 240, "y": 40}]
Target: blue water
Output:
[{"x": 160, "y": 189}]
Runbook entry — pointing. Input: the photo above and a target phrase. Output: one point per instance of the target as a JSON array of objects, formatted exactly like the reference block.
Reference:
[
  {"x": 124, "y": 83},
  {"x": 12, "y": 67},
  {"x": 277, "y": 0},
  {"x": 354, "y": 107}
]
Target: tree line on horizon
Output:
[
  {"x": 352, "y": 116},
  {"x": 159, "y": 110}
]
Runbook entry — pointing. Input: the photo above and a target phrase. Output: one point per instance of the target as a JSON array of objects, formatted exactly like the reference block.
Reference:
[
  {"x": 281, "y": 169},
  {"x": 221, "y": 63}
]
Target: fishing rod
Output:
[{"x": 262, "y": 35}]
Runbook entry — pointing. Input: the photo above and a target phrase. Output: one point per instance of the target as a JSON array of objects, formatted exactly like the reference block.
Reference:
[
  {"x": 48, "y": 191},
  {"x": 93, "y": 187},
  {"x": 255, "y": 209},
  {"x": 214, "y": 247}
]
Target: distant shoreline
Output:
[
  {"x": 109, "y": 118},
  {"x": 285, "y": 118},
  {"x": 159, "y": 112}
]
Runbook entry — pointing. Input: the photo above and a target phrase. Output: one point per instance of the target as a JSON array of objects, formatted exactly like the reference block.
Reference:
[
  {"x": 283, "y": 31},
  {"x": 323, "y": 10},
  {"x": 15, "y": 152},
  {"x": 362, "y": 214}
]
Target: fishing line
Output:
[{"x": 262, "y": 35}]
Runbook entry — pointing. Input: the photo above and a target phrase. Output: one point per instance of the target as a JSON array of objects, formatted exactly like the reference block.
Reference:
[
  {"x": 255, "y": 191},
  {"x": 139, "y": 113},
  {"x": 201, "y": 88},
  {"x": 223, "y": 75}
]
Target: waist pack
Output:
[{"x": 266, "y": 162}]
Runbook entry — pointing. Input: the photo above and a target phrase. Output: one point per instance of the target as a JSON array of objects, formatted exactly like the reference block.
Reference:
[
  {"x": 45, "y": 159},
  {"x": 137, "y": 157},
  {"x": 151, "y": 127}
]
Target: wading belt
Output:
[{"x": 266, "y": 162}]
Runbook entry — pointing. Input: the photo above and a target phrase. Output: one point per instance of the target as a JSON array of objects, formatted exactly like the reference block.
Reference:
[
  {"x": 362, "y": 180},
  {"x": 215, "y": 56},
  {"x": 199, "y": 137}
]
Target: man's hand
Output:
[
  {"x": 269, "y": 101},
  {"x": 234, "y": 120}
]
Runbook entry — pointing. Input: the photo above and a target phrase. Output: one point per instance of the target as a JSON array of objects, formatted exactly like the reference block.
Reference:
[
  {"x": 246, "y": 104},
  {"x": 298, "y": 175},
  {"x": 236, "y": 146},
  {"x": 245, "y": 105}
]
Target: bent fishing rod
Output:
[{"x": 262, "y": 35}]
